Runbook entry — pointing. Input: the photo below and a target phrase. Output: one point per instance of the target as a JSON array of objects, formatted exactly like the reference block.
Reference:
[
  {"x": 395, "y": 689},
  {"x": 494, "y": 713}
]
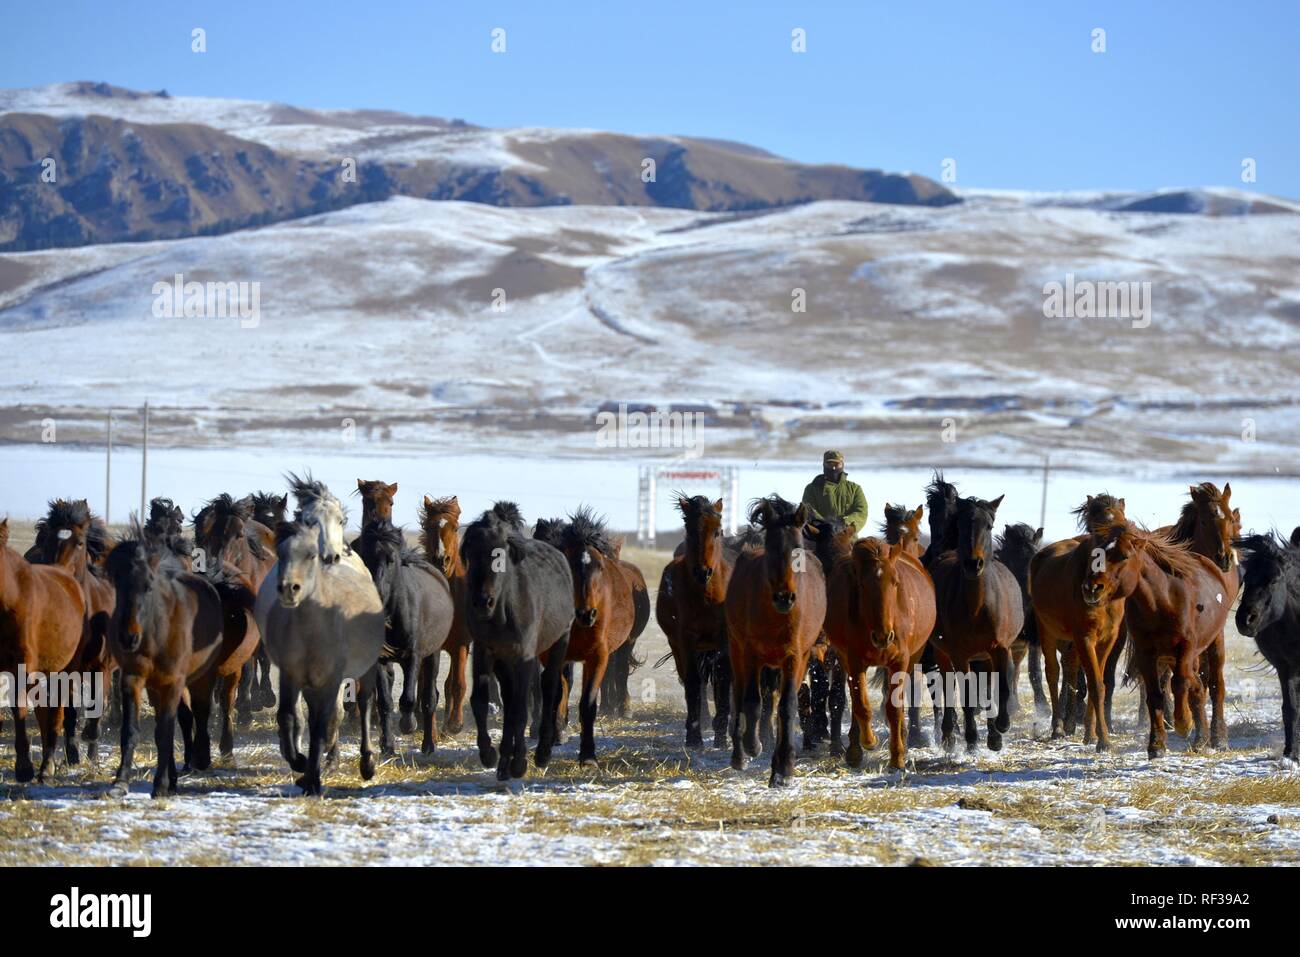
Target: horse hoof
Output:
[
  {"x": 74, "y": 756},
  {"x": 1102, "y": 745},
  {"x": 995, "y": 742},
  {"x": 738, "y": 762},
  {"x": 119, "y": 789},
  {"x": 488, "y": 756},
  {"x": 587, "y": 757},
  {"x": 453, "y": 727},
  {"x": 837, "y": 748},
  {"x": 694, "y": 739},
  {"x": 853, "y": 757},
  {"x": 1154, "y": 753},
  {"x": 92, "y": 752},
  {"x": 720, "y": 739},
  {"x": 777, "y": 780},
  {"x": 367, "y": 766},
  {"x": 1003, "y": 723},
  {"x": 243, "y": 721},
  {"x": 407, "y": 723},
  {"x": 387, "y": 750},
  {"x": 24, "y": 773}
]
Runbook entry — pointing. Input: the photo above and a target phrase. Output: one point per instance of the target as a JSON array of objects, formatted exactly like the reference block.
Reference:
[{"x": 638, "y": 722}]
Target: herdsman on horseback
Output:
[{"x": 831, "y": 494}]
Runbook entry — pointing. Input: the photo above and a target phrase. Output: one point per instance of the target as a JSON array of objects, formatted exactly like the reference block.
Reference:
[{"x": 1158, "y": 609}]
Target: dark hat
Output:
[{"x": 833, "y": 458}]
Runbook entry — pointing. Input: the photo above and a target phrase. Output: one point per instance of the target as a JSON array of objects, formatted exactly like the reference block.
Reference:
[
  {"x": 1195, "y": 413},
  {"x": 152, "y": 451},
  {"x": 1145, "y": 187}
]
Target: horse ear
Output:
[
  {"x": 997, "y": 501},
  {"x": 1295, "y": 536},
  {"x": 427, "y": 501},
  {"x": 1236, "y": 515},
  {"x": 392, "y": 489},
  {"x": 4, "y": 532},
  {"x": 717, "y": 506},
  {"x": 895, "y": 550},
  {"x": 800, "y": 516},
  {"x": 1121, "y": 505},
  {"x": 919, "y": 513},
  {"x": 1038, "y": 535},
  {"x": 1227, "y": 490},
  {"x": 361, "y": 483}
]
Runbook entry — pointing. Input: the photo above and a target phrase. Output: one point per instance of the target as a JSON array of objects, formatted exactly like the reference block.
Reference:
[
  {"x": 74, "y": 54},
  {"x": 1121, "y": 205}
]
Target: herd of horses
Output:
[{"x": 783, "y": 622}]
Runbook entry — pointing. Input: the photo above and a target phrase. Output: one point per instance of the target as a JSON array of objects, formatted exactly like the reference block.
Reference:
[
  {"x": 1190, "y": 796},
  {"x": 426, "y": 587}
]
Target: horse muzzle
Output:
[
  {"x": 972, "y": 567},
  {"x": 1248, "y": 620},
  {"x": 783, "y": 601},
  {"x": 290, "y": 594},
  {"x": 1092, "y": 595},
  {"x": 702, "y": 574},
  {"x": 883, "y": 639},
  {"x": 485, "y": 605},
  {"x": 130, "y": 638},
  {"x": 585, "y": 617}
]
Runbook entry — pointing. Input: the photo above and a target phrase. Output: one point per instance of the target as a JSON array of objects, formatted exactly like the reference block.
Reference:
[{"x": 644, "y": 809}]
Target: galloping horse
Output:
[
  {"x": 439, "y": 523},
  {"x": 1270, "y": 613},
  {"x": 323, "y": 622},
  {"x": 690, "y": 608},
  {"x": 521, "y": 607},
  {"x": 376, "y": 500},
  {"x": 980, "y": 615},
  {"x": 880, "y": 613},
  {"x": 1209, "y": 525},
  {"x": 266, "y": 507},
  {"x": 903, "y": 525},
  {"x": 1177, "y": 604},
  {"x": 167, "y": 636},
  {"x": 71, "y": 537},
  {"x": 42, "y": 626},
  {"x": 775, "y": 607},
  {"x": 1015, "y": 548},
  {"x": 418, "y": 611}
]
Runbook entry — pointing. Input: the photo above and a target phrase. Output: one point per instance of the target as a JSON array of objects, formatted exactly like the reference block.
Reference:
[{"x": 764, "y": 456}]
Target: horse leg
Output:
[
  {"x": 201, "y": 703},
  {"x": 1213, "y": 669},
  {"x": 894, "y": 714},
  {"x": 837, "y": 702},
  {"x": 818, "y": 728},
  {"x": 1003, "y": 671},
  {"x": 1183, "y": 680},
  {"x": 534, "y": 698},
  {"x": 410, "y": 683},
  {"x": 593, "y": 673},
  {"x": 1052, "y": 667},
  {"x": 948, "y": 690},
  {"x": 973, "y": 673},
  {"x": 723, "y": 701},
  {"x": 454, "y": 690},
  {"x": 1019, "y": 650},
  {"x": 562, "y": 703},
  {"x": 70, "y": 735},
  {"x": 103, "y": 678},
  {"x": 1035, "y": 653},
  {"x": 787, "y": 715},
  {"x": 516, "y": 681},
  {"x": 860, "y": 708},
  {"x": 244, "y": 700},
  {"x": 1292, "y": 726},
  {"x": 228, "y": 687},
  {"x": 372, "y": 682},
  {"x": 1096, "y": 716},
  {"x": 266, "y": 693},
  {"x": 166, "y": 700},
  {"x": 1156, "y": 738},
  {"x": 47, "y": 722},
  {"x": 1070, "y": 688},
  {"x": 131, "y": 687},
  {"x": 478, "y": 701},
  {"x": 741, "y": 679},
  {"x": 287, "y": 721},
  {"x": 384, "y": 707},
  {"x": 694, "y": 675},
  {"x": 553, "y": 688},
  {"x": 769, "y": 686},
  {"x": 429, "y": 703}
]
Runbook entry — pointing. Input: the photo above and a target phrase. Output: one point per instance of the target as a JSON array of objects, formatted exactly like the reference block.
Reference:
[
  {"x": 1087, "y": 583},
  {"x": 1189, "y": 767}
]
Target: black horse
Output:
[
  {"x": 1015, "y": 547},
  {"x": 418, "y": 610},
  {"x": 1269, "y": 612},
  {"x": 941, "y": 513},
  {"x": 520, "y": 596}
]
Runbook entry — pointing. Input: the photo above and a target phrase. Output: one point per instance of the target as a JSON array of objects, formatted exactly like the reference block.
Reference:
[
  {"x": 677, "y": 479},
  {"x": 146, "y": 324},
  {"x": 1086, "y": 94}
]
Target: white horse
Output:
[{"x": 323, "y": 622}]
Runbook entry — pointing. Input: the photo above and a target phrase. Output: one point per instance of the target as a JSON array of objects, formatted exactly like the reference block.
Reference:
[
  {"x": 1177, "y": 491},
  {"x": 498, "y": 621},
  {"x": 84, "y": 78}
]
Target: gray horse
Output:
[{"x": 323, "y": 622}]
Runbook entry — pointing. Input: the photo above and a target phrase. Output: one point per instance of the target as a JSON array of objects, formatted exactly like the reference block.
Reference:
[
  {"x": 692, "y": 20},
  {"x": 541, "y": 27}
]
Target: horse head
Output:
[
  {"x": 1115, "y": 550},
  {"x": 1211, "y": 524},
  {"x": 493, "y": 545},
  {"x": 439, "y": 522},
  {"x": 703, "y": 522},
  {"x": 974, "y": 522},
  {"x": 376, "y": 500},
  {"x": 784, "y": 551},
  {"x": 1270, "y": 575},
  {"x": 587, "y": 546},
  {"x": 297, "y": 547}
]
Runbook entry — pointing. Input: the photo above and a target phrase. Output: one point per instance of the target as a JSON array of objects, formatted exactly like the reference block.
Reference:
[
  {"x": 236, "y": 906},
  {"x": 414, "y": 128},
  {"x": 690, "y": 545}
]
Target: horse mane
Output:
[
  {"x": 586, "y": 528},
  {"x": 509, "y": 513},
  {"x": 268, "y": 501},
  {"x": 310, "y": 492},
  {"x": 163, "y": 528},
  {"x": 1016, "y": 546},
  {"x": 430, "y": 511},
  {"x": 892, "y": 526},
  {"x": 1170, "y": 555},
  {"x": 384, "y": 532},
  {"x": 138, "y": 540},
  {"x": 1185, "y": 527},
  {"x": 771, "y": 512},
  {"x": 1268, "y": 549},
  {"x": 747, "y": 537},
  {"x": 829, "y": 543},
  {"x": 225, "y": 506},
  {"x": 939, "y": 492},
  {"x": 1084, "y": 513},
  {"x": 64, "y": 512}
]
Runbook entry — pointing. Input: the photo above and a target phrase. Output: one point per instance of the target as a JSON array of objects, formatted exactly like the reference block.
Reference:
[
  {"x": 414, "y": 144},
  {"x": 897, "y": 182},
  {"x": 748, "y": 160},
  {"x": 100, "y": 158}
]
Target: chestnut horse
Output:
[
  {"x": 376, "y": 500},
  {"x": 1177, "y": 605},
  {"x": 980, "y": 615},
  {"x": 439, "y": 522},
  {"x": 690, "y": 608},
  {"x": 167, "y": 636},
  {"x": 903, "y": 525},
  {"x": 605, "y": 610},
  {"x": 73, "y": 538},
  {"x": 880, "y": 613},
  {"x": 775, "y": 607},
  {"x": 1208, "y": 524},
  {"x": 42, "y": 626}
]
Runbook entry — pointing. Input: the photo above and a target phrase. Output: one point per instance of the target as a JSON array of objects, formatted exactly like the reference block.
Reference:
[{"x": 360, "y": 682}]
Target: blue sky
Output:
[{"x": 1012, "y": 91}]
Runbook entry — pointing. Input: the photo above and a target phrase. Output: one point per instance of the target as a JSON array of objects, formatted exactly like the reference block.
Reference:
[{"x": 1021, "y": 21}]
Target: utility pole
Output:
[
  {"x": 1042, "y": 513},
  {"x": 108, "y": 472},
  {"x": 144, "y": 461}
]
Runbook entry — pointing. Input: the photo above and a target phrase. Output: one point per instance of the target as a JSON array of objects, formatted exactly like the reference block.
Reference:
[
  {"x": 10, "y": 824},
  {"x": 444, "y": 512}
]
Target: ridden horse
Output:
[
  {"x": 71, "y": 537},
  {"x": 1076, "y": 603},
  {"x": 1208, "y": 525},
  {"x": 439, "y": 525},
  {"x": 323, "y": 623},
  {"x": 418, "y": 610},
  {"x": 42, "y": 626},
  {"x": 980, "y": 615},
  {"x": 1269, "y": 612},
  {"x": 903, "y": 524},
  {"x": 690, "y": 609},
  {"x": 605, "y": 609},
  {"x": 775, "y": 607},
  {"x": 1176, "y": 606},
  {"x": 520, "y": 609},
  {"x": 228, "y": 535},
  {"x": 1015, "y": 548},
  {"x": 167, "y": 636},
  {"x": 880, "y": 613}
]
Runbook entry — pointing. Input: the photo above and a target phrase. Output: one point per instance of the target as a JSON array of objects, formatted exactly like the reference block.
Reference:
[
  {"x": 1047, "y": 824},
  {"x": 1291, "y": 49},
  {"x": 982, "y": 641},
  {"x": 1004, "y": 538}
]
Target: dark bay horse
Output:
[
  {"x": 42, "y": 627},
  {"x": 73, "y": 538},
  {"x": 1177, "y": 604},
  {"x": 267, "y": 508},
  {"x": 690, "y": 608},
  {"x": 1015, "y": 548},
  {"x": 775, "y": 607},
  {"x": 980, "y": 615},
  {"x": 605, "y": 610},
  {"x": 440, "y": 540},
  {"x": 418, "y": 612},
  {"x": 167, "y": 636},
  {"x": 520, "y": 610},
  {"x": 880, "y": 613},
  {"x": 1269, "y": 612}
]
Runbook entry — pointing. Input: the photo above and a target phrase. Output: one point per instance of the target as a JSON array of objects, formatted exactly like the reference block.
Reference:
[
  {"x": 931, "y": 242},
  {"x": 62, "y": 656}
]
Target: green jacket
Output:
[{"x": 844, "y": 499}]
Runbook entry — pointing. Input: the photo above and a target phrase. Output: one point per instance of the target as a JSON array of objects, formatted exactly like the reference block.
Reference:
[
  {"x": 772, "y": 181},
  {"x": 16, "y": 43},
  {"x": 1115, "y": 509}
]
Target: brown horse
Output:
[
  {"x": 605, "y": 610},
  {"x": 1208, "y": 525},
  {"x": 167, "y": 637},
  {"x": 71, "y": 537},
  {"x": 439, "y": 522},
  {"x": 1074, "y": 605},
  {"x": 980, "y": 615},
  {"x": 903, "y": 525},
  {"x": 775, "y": 607},
  {"x": 240, "y": 551},
  {"x": 880, "y": 613},
  {"x": 1176, "y": 606},
  {"x": 42, "y": 627},
  {"x": 691, "y": 610},
  {"x": 376, "y": 500}
]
